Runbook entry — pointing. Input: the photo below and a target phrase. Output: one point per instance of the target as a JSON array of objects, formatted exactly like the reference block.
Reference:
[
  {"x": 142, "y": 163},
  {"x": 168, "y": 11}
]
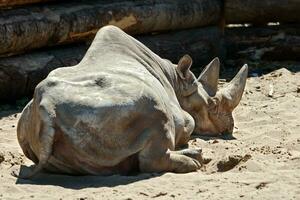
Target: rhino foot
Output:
[
  {"x": 192, "y": 153},
  {"x": 183, "y": 163},
  {"x": 172, "y": 161}
]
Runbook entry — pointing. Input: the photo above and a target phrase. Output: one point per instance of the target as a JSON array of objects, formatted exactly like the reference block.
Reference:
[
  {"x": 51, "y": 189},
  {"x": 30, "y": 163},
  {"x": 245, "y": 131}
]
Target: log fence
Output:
[{"x": 37, "y": 36}]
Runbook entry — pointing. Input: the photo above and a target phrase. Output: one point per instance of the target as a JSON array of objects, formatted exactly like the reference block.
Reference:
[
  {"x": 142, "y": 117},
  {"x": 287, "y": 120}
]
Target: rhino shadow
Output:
[
  {"x": 207, "y": 138},
  {"x": 5, "y": 112},
  {"x": 81, "y": 182}
]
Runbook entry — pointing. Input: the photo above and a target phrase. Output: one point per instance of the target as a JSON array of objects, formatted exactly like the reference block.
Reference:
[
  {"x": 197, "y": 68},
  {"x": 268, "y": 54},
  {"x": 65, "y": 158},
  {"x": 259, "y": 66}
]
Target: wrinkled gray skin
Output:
[{"x": 123, "y": 108}]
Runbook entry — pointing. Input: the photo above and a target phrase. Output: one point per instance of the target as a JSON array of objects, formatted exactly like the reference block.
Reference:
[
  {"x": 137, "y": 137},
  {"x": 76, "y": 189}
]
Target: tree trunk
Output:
[
  {"x": 261, "y": 11},
  {"x": 20, "y": 74},
  {"x": 258, "y": 44},
  {"x": 46, "y": 25},
  {"x": 10, "y": 3}
]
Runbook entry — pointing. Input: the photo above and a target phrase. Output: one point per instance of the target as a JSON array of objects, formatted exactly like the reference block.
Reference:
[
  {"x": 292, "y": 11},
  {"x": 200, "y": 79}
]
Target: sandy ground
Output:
[{"x": 260, "y": 161}]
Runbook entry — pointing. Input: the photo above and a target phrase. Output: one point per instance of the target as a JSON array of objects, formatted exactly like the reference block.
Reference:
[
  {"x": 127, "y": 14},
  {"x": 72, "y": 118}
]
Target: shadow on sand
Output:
[
  {"x": 81, "y": 182},
  {"x": 11, "y": 108},
  {"x": 8, "y": 112},
  {"x": 207, "y": 138}
]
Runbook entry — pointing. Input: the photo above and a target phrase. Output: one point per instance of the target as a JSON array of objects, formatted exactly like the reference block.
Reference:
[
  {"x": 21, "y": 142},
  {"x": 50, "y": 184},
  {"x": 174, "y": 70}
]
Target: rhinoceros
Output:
[{"x": 124, "y": 109}]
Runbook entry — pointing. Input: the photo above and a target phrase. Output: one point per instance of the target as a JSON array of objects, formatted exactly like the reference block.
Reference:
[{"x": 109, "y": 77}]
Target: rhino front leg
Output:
[
  {"x": 192, "y": 153},
  {"x": 157, "y": 157},
  {"x": 169, "y": 162},
  {"x": 183, "y": 164}
]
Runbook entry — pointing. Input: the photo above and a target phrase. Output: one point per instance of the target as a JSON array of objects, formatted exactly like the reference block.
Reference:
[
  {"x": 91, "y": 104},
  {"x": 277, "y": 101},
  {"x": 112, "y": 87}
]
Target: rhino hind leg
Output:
[{"x": 46, "y": 137}]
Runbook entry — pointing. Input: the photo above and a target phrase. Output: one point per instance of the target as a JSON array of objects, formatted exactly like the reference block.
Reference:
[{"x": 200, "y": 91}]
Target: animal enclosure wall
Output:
[{"x": 37, "y": 36}]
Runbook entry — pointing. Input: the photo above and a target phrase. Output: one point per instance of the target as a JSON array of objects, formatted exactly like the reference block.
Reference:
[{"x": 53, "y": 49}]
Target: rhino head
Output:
[{"x": 211, "y": 108}]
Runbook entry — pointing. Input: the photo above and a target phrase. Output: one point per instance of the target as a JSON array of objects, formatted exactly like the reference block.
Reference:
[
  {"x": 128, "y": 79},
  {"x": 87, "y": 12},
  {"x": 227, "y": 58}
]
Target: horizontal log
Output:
[
  {"x": 20, "y": 74},
  {"x": 262, "y": 44},
  {"x": 10, "y": 3},
  {"x": 202, "y": 44},
  {"x": 47, "y": 25},
  {"x": 261, "y": 11}
]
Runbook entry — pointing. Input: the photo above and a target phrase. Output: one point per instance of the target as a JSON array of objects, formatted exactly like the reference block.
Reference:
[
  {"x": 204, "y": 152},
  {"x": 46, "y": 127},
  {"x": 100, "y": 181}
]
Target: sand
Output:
[{"x": 260, "y": 161}]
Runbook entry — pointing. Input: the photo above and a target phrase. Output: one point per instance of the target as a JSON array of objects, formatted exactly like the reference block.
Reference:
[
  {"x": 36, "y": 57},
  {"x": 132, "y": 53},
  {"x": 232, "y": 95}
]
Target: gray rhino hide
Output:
[{"x": 117, "y": 111}]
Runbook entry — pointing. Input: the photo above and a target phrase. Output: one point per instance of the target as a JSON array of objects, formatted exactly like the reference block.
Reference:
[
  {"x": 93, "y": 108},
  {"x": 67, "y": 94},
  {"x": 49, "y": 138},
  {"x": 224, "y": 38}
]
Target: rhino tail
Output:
[
  {"x": 24, "y": 130},
  {"x": 46, "y": 139}
]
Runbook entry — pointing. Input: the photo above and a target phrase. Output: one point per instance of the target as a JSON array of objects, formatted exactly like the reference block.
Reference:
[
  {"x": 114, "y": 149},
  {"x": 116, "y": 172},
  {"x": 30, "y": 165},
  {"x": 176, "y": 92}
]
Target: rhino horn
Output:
[
  {"x": 210, "y": 76},
  {"x": 234, "y": 90}
]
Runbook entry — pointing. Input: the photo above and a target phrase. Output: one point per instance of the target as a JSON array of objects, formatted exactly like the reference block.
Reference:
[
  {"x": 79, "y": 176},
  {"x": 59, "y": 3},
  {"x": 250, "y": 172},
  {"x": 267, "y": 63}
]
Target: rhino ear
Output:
[
  {"x": 184, "y": 66},
  {"x": 234, "y": 90},
  {"x": 210, "y": 76}
]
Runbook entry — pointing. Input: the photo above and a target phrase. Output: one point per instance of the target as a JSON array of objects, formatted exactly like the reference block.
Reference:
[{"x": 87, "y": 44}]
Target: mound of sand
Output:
[{"x": 260, "y": 161}]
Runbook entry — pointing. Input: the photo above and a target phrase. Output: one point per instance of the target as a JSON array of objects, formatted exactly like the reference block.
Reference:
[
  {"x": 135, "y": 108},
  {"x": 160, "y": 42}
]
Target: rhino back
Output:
[{"x": 103, "y": 118}]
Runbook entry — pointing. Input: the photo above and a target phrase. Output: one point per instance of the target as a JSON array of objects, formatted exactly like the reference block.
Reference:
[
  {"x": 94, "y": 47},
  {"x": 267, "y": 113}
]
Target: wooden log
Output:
[
  {"x": 261, "y": 11},
  {"x": 20, "y": 74},
  {"x": 202, "y": 44},
  {"x": 262, "y": 44},
  {"x": 10, "y": 3},
  {"x": 47, "y": 25}
]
